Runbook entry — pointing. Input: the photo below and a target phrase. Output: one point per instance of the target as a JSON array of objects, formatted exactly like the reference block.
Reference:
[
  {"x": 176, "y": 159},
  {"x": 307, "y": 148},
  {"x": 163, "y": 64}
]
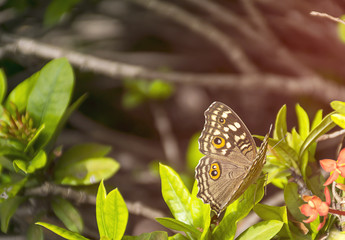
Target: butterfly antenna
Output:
[{"x": 279, "y": 141}]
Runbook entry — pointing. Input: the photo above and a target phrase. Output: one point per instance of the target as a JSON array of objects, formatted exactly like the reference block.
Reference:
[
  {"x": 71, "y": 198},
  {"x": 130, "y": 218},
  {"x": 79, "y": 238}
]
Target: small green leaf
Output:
[
  {"x": 198, "y": 209},
  {"x": 7, "y": 209},
  {"x": 262, "y": 230},
  {"x": 159, "y": 90},
  {"x": 81, "y": 152},
  {"x": 274, "y": 213},
  {"x": 3, "y": 85},
  {"x": 179, "y": 226},
  {"x": 19, "y": 96},
  {"x": 100, "y": 202},
  {"x": 56, "y": 10},
  {"x": 175, "y": 194},
  {"x": 34, "y": 138},
  {"x": 303, "y": 121},
  {"x": 38, "y": 162},
  {"x": 115, "y": 213},
  {"x": 20, "y": 165},
  {"x": 68, "y": 214},
  {"x": 178, "y": 237},
  {"x": 293, "y": 201},
  {"x": 339, "y": 119},
  {"x": 338, "y": 106},
  {"x": 193, "y": 153},
  {"x": 280, "y": 124},
  {"x": 35, "y": 232},
  {"x": 87, "y": 171},
  {"x": 62, "y": 232},
  {"x": 341, "y": 30},
  {"x": 10, "y": 190},
  {"x": 317, "y": 119},
  {"x": 325, "y": 125},
  {"x": 50, "y": 97},
  {"x": 111, "y": 213}
]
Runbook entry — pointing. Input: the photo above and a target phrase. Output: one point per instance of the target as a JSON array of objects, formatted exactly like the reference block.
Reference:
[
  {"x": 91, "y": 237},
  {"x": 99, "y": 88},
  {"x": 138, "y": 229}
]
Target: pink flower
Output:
[
  {"x": 337, "y": 167},
  {"x": 315, "y": 207}
]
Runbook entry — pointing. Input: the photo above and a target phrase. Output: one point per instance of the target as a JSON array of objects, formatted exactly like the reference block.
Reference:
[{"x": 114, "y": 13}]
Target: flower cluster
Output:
[{"x": 315, "y": 207}]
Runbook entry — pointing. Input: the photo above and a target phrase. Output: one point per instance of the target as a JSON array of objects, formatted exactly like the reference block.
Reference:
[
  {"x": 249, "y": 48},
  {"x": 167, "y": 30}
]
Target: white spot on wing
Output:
[
  {"x": 233, "y": 128},
  {"x": 237, "y": 124}
]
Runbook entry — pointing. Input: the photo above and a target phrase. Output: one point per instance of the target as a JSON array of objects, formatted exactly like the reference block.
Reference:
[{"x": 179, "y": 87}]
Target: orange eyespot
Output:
[
  {"x": 221, "y": 120},
  {"x": 215, "y": 171},
  {"x": 218, "y": 142}
]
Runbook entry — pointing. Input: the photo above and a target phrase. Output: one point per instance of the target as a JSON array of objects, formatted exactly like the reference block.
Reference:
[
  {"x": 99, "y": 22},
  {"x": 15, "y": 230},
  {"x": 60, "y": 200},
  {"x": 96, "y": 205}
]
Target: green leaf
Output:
[
  {"x": 20, "y": 165},
  {"x": 338, "y": 106},
  {"x": 62, "y": 232},
  {"x": 7, "y": 209},
  {"x": 178, "y": 237},
  {"x": 64, "y": 119},
  {"x": 38, "y": 162},
  {"x": 317, "y": 119},
  {"x": 3, "y": 85},
  {"x": 50, "y": 97},
  {"x": 179, "y": 226},
  {"x": 193, "y": 153},
  {"x": 325, "y": 125},
  {"x": 56, "y": 10},
  {"x": 274, "y": 213},
  {"x": 34, "y": 138},
  {"x": 19, "y": 96},
  {"x": 87, "y": 171},
  {"x": 116, "y": 215},
  {"x": 238, "y": 210},
  {"x": 159, "y": 89},
  {"x": 293, "y": 201},
  {"x": 262, "y": 230},
  {"x": 81, "y": 152},
  {"x": 158, "y": 235},
  {"x": 68, "y": 214},
  {"x": 200, "y": 211},
  {"x": 111, "y": 213},
  {"x": 131, "y": 100},
  {"x": 280, "y": 124},
  {"x": 303, "y": 121},
  {"x": 35, "y": 232},
  {"x": 10, "y": 190},
  {"x": 341, "y": 30},
  {"x": 100, "y": 202},
  {"x": 339, "y": 119},
  {"x": 175, "y": 194}
]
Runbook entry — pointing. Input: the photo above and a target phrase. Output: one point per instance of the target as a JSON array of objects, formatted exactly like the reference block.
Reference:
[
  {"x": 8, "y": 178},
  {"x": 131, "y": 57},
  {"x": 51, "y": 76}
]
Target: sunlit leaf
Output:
[
  {"x": 68, "y": 214},
  {"x": 7, "y": 209},
  {"x": 262, "y": 230},
  {"x": 175, "y": 194},
  {"x": 303, "y": 121},
  {"x": 3, "y": 85},
  {"x": 280, "y": 128},
  {"x": 62, "y": 232},
  {"x": 179, "y": 226},
  {"x": 50, "y": 97},
  {"x": 193, "y": 153}
]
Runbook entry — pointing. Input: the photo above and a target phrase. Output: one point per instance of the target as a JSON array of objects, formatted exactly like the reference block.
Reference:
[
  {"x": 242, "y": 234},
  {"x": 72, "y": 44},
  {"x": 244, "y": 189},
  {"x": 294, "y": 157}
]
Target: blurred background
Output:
[{"x": 180, "y": 56}]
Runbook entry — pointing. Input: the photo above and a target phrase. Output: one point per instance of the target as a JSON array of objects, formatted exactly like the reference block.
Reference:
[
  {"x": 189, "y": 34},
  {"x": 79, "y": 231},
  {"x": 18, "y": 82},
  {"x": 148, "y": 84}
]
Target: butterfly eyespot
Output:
[
  {"x": 215, "y": 171},
  {"x": 221, "y": 120},
  {"x": 218, "y": 142}
]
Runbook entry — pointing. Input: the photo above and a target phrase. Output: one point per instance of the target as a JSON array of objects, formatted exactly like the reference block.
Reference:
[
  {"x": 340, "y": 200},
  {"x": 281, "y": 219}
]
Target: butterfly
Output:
[{"x": 232, "y": 162}]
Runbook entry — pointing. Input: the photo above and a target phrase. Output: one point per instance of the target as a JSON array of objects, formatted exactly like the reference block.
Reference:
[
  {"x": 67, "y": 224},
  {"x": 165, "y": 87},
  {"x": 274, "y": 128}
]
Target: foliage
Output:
[{"x": 32, "y": 116}]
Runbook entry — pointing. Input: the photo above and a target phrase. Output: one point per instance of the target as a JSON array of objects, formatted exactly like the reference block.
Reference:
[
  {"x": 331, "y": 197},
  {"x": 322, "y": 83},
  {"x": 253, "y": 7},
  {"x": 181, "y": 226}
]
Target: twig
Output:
[
  {"x": 331, "y": 135},
  {"x": 79, "y": 197},
  {"x": 124, "y": 141},
  {"x": 231, "y": 49},
  {"x": 325, "y": 15},
  {"x": 167, "y": 137},
  {"x": 307, "y": 86}
]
